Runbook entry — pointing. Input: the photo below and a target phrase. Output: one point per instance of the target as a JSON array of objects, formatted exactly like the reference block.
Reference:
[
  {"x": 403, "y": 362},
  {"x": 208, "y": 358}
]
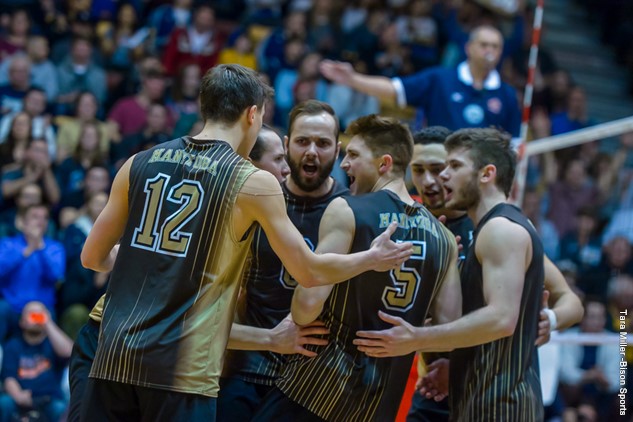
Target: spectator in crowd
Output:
[
  {"x": 36, "y": 167},
  {"x": 32, "y": 367},
  {"x": 549, "y": 236},
  {"x": 617, "y": 258},
  {"x": 154, "y": 132},
  {"x": 200, "y": 42},
  {"x": 473, "y": 95},
  {"x": 12, "y": 93},
  {"x": 78, "y": 73},
  {"x": 123, "y": 41},
  {"x": 42, "y": 69},
  {"x": 240, "y": 50},
  {"x": 82, "y": 287},
  {"x": 29, "y": 195},
  {"x": 582, "y": 246},
  {"x": 13, "y": 146},
  {"x": 69, "y": 128},
  {"x": 417, "y": 29},
  {"x": 166, "y": 18},
  {"x": 129, "y": 114},
  {"x": 30, "y": 267},
  {"x": 72, "y": 171},
  {"x": 183, "y": 101},
  {"x": 568, "y": 195},
  {"x": 15, "y": 40},
  {"x": 575, "y": 116},
  {"x": 96, "y": 180},
  {"x": 34, "y": 104},
  {"x": 273, "y": 49},
  {"x": 590, "y": 373}
]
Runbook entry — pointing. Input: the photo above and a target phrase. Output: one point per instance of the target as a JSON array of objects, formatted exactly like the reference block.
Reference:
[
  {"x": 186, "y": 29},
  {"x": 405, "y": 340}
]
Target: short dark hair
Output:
[
  {"x": 487, "y": 146},
  {"x": 385, "y": 135},
  {"x": 260, "y": 147},
  {"x": 227, "y": 90},
  {"x": 311, "y": 108},
  {"x": 431, "y": 135}
]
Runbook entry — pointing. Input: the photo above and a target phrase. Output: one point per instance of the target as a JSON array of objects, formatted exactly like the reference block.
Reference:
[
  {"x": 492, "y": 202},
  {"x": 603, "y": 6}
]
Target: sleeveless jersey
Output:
[
  {"x": 268, "y": 288},
  {"x": 341, "y": 383},
  {"x": 500, "y": 380},
  {"x": 171, "y": 296},
  {"x": 462, "y": 226}
]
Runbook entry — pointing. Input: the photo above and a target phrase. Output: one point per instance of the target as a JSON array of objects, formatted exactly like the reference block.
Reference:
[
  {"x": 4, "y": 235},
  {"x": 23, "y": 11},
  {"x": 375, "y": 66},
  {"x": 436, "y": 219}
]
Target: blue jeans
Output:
[{"x": 53, "y": 409}]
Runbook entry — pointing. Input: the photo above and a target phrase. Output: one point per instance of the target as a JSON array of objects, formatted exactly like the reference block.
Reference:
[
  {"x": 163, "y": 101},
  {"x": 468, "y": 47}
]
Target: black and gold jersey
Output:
[
  {"x": 268, "y": 287},
  {"x": 170, "y": 300},
  {"x": 341, "y": 383},
  {"x": 500, "y": 380}
]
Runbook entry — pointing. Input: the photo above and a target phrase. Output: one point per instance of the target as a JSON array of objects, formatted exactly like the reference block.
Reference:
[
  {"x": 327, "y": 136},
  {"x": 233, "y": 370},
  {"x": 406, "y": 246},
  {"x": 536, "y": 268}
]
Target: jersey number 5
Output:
[
  {"x": 401, "y": 296},
  {"x": 166, "y": 236}
]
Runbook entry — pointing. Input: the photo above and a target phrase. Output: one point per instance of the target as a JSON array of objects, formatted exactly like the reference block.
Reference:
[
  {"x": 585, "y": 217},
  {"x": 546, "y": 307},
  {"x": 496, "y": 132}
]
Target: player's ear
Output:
[
  {"x": 250, "y": 114},
  {"x": 386, "y": 163},
  {"x": 488, "y": 173},
  {"x": 286, "y": 144}
]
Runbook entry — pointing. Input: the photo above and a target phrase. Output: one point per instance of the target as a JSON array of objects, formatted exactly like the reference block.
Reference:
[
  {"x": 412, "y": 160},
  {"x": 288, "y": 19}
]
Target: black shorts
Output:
[
  {"x": 427, "y": 410},
  {"x": 81, "y": 359},
  {"x": 277, "y": 407},
  {"x": 239, "y": 399},
  {"x": 115, "y": 401}
]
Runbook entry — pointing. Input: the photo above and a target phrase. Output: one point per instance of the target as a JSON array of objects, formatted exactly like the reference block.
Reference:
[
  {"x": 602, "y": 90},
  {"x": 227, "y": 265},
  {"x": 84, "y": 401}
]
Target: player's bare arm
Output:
[
  {"x": 286, "y": 338},
  {"x": 336, "y": 233},
  {"x": 561, "y": 300},
  {"x": 261, "y": 200},
  {"x": 99, "y": 251}
]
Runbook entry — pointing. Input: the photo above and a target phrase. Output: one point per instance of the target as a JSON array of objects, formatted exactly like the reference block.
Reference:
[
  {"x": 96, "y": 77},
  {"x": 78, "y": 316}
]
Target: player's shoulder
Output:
[
  {"x": 500, "y": 230},
  {"x": 261, "y": 183}
]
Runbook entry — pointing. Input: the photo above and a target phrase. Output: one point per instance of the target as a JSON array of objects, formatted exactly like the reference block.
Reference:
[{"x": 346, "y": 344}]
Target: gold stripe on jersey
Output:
[{"x": 97, "y": 311}]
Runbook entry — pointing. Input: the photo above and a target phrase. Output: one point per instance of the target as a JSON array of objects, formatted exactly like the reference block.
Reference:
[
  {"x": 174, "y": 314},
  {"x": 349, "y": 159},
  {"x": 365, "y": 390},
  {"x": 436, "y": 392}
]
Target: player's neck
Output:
[
  {"x": 449, "y": 214},
  {"x": 322, "y": 190},
  {"x": 395, "y": 185},
  {"x": 487, "y": 202},
  {"x": 232, "y": 135}
]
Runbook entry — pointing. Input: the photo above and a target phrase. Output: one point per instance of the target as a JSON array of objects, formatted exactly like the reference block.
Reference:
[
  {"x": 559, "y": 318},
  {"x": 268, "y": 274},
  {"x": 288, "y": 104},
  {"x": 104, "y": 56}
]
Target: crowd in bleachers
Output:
[{"x": 86, "y": 84}]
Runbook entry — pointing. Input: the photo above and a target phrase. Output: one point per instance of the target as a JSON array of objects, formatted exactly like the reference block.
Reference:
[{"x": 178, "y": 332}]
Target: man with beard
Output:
[
  {"x": 429, "y": 160},
  {"x": 341, "y": 383},
  {"x": 494, "y": 368},
  {"x": 263, "y": 312}
]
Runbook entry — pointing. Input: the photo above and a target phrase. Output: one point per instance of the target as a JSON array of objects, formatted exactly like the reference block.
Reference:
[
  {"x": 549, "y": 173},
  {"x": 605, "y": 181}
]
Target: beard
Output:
[
  {"x": 323, "y": 172},
  {"x": 467, "y": 197}
]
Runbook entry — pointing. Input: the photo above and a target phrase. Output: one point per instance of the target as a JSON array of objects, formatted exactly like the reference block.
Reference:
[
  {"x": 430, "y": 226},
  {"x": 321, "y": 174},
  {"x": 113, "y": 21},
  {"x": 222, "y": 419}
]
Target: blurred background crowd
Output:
[{"x": 85, "y": 84}]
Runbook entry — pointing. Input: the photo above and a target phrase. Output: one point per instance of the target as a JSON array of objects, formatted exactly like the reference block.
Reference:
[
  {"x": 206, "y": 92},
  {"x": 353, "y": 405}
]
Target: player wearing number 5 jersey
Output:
[
  {"x": 184, "y": 212},
  {"x": 341, "y": 383}
]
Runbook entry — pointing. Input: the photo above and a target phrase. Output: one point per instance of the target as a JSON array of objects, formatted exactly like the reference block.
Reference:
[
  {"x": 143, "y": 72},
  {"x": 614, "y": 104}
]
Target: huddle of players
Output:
[{"x": 337, "y": 373}]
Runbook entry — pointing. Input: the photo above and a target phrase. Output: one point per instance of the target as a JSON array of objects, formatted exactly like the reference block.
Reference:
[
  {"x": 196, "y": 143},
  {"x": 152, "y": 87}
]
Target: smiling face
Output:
[
  {"x": 427, "y": 164},
  {"x": 361, "y": 166},
  {"x": 312, "y": 150},
  {"x": 461, "y": 187}
]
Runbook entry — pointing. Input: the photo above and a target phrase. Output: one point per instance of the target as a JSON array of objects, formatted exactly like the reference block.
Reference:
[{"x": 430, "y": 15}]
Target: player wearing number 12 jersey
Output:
[{"x": 341, "y": 383}]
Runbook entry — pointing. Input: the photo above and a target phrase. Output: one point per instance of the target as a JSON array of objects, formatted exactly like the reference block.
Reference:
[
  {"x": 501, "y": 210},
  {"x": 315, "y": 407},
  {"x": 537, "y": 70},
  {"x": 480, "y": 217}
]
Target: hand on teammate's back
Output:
[
  {"x": 290, "y": 338},
  {"x": 434, "y": 385}
]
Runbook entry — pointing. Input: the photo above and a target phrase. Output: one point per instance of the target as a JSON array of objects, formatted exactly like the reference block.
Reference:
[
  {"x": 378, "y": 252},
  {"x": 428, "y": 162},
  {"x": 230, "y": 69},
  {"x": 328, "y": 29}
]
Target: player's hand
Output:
[
  {"x": 389, "y": 254},
  {"x": 434, "y": 385},
  {"x": 398, "y": 340},
  {"x": 339, "y": 72},
  {"x": 290, "y": 338},
  {"x": 544, "y": 328}
]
